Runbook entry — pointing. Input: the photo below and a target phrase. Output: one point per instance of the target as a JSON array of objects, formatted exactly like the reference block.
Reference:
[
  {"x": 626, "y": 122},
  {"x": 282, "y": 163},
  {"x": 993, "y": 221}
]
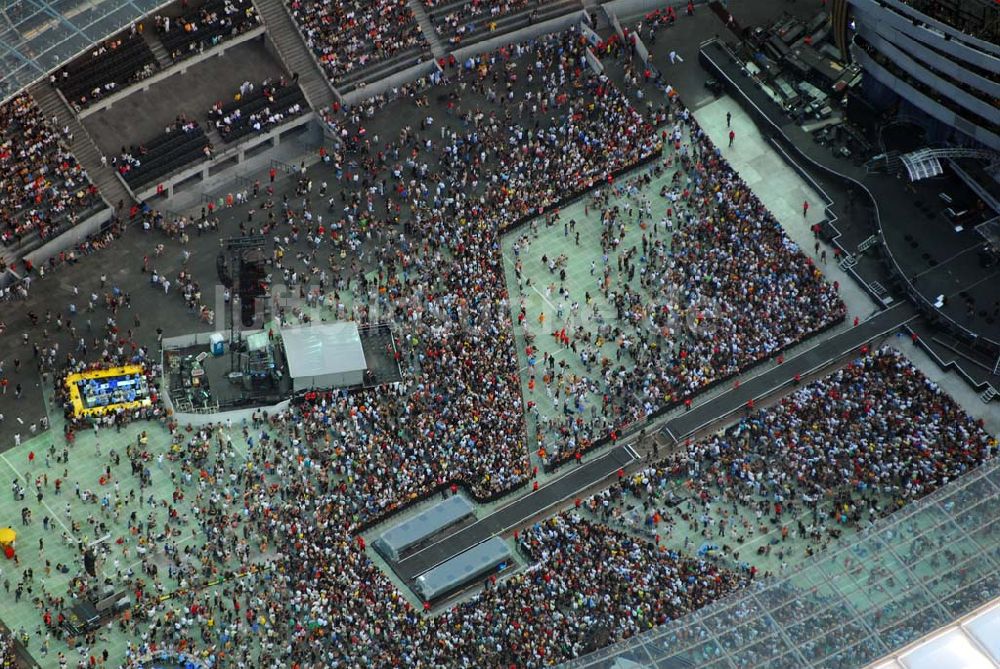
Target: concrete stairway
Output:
[
  {"x": 156, "y": 46},
  {"x": 83, "y": 147},
  {"x": 295, "y": 54},
  {"x": 427, "y": 28}
]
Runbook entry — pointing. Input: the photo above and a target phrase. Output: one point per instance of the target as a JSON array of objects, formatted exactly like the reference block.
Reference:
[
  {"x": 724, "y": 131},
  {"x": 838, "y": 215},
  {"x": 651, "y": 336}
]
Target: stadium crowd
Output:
[
  {"x": 305, "y": 582},
  {"x": 465, "y": 16},
  {"x": 277, "y": 502},
  {"x": 724, "y": 290},
  {"x": 205, "y": 27},
  {"x": 460, "y": 372},
  {"x": 8, "y": 657},
  {"x": 346, "y": 36},
  {"x": 843, "y": 451},
  {"x": 51, "y": 187},
  {"x": 728, "y": 333}
]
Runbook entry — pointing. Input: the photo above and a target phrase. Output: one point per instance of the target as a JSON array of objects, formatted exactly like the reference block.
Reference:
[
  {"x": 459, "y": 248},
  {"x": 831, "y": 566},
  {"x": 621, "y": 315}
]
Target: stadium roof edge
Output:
[{"x": 37, "y": 37}]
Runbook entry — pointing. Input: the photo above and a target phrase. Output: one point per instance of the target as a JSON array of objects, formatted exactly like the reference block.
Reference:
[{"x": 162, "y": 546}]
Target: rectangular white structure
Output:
[
  {"x": 462, "y": 569},
  {"x": 401, "y": 538},
  {"x": 327, "y": 355}
]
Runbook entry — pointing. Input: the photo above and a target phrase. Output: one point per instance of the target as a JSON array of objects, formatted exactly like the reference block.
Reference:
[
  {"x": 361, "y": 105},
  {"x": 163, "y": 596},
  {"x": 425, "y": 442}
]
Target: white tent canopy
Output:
[{"x": 325, "y": 355}]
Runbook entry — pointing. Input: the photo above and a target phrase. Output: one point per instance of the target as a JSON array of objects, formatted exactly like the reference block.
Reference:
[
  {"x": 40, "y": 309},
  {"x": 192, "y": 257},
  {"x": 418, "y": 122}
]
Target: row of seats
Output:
[
  {"x": 166, "y": 154},
  {"x": 114, "y": 63},
  {"x": 384, "y": 68},
  {"x": 461, "y": 21},
  {"x": 212, "y": 23},
  {"x": 267, "y": 106},
  {"x": 44, "y": 184},
  {"x": 355, "y": 34}
]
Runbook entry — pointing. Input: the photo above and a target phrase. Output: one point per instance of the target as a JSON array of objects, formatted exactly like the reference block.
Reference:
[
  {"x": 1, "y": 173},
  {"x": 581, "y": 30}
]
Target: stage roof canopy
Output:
[{"x": 324, "y": 355}]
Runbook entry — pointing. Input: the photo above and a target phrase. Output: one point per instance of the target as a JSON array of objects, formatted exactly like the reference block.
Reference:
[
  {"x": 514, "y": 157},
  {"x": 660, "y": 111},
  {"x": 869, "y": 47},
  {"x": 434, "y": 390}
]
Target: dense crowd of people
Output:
[
  {"x": 8, "y": 656},
  {"x": 44, "y": 184},
  {"x": 723, "y": 290},
  {"x": 460, "y": 383},
  {"x": 206, "y": 26},
  {"x": 362, "y": 455},
  {"x": 841, "y": 452},
  {"x": 275, "y": 574},
  {"x": 804, "y": 469},
  {"x": 465, "y": 17},
  {"x": 346, "y": 36},
  {"x": 231, "y": 118}
]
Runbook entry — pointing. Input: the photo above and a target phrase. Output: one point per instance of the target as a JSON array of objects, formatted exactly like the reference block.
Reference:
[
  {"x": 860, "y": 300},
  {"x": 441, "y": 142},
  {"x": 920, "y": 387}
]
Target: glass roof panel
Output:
[
  {"x": 951, "y": 649},
  {"x": 865, "y": 598},
  {"x": 39, "y": 36},
  {"x": 985, "y": 629}
]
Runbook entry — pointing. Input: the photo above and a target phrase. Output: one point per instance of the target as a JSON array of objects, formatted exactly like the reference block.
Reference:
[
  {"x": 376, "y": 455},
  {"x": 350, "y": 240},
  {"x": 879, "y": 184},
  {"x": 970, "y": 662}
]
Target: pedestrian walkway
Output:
[
  {"x": 783, "y": 376},
  {"x": 564, "y": 487},
  {"x": 782, "y": 190}
]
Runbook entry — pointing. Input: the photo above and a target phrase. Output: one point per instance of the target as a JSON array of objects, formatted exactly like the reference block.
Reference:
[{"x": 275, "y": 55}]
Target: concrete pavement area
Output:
[{"x": 104, "y": 508}]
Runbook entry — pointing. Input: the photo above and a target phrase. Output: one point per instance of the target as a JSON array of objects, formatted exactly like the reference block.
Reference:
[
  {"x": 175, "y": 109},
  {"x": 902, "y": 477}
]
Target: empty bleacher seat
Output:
[
  {"x": 267, "y": 105},
  {"x": 164, "y": 155},
  {"x": 109, "y": 66}
]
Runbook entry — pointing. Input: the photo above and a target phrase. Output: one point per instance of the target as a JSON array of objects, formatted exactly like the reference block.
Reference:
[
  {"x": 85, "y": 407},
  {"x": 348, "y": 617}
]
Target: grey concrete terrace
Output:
[{"x": 143, "y": 115}]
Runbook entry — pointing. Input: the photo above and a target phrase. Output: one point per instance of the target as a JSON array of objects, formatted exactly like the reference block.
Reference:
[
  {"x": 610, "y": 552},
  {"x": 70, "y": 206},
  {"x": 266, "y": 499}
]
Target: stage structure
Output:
[
  {"x": 241, "y": 264},
  {"x": 97, "y": 392},
  {"x": 273, "y": 366},
  {"x": 329, "y": 355}
]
